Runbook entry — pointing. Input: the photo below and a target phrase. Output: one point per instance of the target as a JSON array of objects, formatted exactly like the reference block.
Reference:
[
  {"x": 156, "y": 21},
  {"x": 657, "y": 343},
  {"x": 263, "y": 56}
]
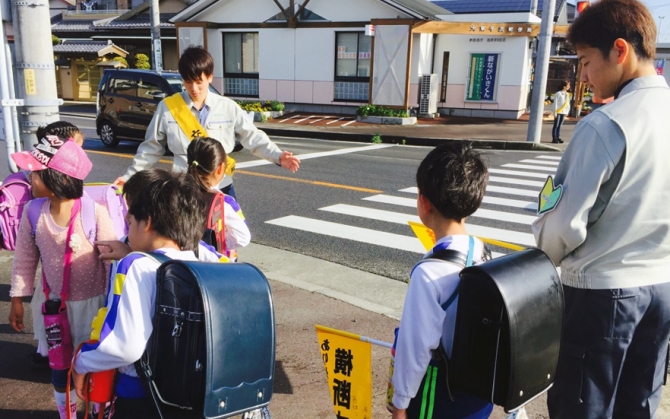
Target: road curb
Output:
[
  {"x": 78, "y": 115},
  {"x": 405, "y": 140}
]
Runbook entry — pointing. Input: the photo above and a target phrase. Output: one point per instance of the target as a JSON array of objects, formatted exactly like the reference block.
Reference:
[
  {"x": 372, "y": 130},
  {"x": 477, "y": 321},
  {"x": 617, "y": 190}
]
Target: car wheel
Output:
[{"x": 108, "y": 134}]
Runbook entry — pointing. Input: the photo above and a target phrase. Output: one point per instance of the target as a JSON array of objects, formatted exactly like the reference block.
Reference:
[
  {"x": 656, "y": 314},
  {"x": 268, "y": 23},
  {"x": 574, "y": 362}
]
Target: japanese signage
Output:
[
  {"x": 525, "y": 30},
  {"x": 348, "y": 363},
  {"x": 659, "y": 64},
  {"x": 482, "y": 77}
]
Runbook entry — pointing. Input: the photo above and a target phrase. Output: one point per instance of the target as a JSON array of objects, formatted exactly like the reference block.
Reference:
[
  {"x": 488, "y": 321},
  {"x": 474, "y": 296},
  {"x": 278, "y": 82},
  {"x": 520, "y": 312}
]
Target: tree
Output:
[
  {"x": 121, "y": 60},
  {"x": 142, "y": 61},
  {"x": 55, "y": 40}
]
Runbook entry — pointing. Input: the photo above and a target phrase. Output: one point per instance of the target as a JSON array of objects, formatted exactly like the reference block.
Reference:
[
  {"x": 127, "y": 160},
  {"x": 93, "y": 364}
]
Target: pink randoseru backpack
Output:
[
  {"x": 14, "y": 194},
  {"x": 110, "y": 197}
]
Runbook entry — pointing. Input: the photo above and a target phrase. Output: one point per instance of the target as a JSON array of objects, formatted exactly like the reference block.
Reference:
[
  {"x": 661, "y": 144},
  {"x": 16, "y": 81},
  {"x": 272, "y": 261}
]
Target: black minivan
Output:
[{"x": 127, "y": 101}]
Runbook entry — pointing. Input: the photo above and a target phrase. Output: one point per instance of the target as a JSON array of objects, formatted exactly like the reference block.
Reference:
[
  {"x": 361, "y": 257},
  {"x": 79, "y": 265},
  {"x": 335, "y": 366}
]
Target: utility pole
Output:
[
  {"x": 8, "y": 104},
  {"x": 533, "y": 7},
  {"x": 541, "y": 70},
  {"x": 156, "y": 48}
]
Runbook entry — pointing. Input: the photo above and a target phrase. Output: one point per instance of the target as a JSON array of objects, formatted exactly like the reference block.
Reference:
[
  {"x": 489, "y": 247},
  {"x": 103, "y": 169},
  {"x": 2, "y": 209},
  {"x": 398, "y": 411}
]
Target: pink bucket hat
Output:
[{"x": 56, "y": 153}]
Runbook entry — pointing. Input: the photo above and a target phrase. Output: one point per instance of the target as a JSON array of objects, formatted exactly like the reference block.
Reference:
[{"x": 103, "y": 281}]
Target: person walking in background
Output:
[
  {"x": 607, "y": 224},
  {"x": 561, "y": 110}
]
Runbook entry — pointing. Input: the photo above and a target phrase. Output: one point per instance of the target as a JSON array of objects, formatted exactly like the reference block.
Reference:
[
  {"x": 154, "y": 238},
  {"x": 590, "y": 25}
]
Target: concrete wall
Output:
[{"x": 512, "y": 78}]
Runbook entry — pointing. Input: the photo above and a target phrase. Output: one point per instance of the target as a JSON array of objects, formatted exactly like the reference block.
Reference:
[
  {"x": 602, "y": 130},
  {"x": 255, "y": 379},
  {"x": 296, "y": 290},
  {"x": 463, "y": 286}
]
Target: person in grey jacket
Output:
[
  {"x": 222, "y": 118},
  {"x": 606, "y": 221}
]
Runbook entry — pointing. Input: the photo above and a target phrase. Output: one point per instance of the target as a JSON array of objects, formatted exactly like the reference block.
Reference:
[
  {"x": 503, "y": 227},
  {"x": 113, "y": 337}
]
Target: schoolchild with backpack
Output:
[
  {"x": 73, "y": 278},
  {"x": 226, "y": 228},
  {"x": 451, "y": 181},
  {"x": 168, "y": 220}
]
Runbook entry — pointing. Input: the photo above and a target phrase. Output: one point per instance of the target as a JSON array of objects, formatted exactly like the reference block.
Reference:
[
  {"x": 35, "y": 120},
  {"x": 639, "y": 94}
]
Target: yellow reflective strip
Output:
[{"x": 118, "y": 283}]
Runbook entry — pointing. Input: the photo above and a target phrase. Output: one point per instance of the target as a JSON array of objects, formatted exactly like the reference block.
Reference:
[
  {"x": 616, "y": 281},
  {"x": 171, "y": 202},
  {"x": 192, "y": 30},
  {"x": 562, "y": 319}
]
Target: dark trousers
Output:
[
  {"x": 134, "y": 408},
  {"x": 556, "y": 130},
  {"x": 613, "y": 354},
  {"x": 229, "y": 190}
]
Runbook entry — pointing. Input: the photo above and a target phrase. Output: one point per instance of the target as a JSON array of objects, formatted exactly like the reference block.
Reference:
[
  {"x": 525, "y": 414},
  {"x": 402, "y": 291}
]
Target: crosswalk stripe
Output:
[
  {"x": 491, "y": 188},
  {"x": 359, "y": 234},
  {"x": 511, "y": 191},
  {"x": 400, "y": 218},
  {"x": 549, "y": 157},
  {"x": 393, "y": 200},
  {"x": 524, "y": 182},
  {"x": 254, "y": 163},
  {"x": 552, "y": 163},
  {"x": 525, "y": 166},
  {"x": 510, "y": 203},
  {"x": 518, "y": 173},
  {"x": 504, "y": 216}
]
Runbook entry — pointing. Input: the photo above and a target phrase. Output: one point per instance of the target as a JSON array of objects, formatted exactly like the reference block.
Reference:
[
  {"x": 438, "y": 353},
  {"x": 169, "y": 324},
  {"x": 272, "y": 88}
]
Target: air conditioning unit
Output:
[{"x": 428, "y": 95}]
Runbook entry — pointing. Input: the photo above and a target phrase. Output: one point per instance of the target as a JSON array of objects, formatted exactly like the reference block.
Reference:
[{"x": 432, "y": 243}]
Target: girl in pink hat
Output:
[{"x": 55, "y": 230}]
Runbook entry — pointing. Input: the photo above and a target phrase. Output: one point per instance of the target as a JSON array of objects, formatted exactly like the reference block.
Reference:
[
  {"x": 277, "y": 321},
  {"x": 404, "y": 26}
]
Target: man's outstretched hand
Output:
[{"x": 289, "y": 162}]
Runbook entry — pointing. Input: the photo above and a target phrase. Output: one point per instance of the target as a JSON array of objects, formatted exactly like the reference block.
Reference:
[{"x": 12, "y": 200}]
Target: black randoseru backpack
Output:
[{"x": 212, "y": 350}]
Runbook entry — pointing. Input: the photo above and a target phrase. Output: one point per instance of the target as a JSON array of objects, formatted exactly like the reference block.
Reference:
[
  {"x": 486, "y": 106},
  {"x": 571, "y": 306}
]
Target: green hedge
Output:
[
  {"x": 374, "y": 110},
  {"x": 258, "y": 106}
]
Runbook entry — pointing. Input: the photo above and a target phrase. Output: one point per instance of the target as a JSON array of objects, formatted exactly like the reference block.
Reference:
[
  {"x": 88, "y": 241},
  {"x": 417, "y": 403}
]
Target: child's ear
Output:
[
  {"x": 424, "y": 204},
  {"x": 221, "y": 169},
  {"x": 147, "y": 225}
]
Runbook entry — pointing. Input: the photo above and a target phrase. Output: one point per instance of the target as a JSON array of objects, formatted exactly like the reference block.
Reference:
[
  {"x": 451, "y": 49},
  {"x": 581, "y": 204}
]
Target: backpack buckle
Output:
[{"x": 176, "y": 331}]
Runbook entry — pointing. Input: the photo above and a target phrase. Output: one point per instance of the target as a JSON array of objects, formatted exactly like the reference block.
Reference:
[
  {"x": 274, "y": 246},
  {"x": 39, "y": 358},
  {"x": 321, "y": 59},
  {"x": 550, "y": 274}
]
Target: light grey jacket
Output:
[
  {"x": 611, "y": 228},
  {"x": 226, "y": 122}
]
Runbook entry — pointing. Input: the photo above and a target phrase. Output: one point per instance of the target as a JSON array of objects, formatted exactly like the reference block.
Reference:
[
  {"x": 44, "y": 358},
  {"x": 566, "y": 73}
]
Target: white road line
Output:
[
  {"x": 525, "y": 166},
  {"x": 361, "y": 235},
  {"x": 255, "y": 163},
  {"x": 492, "y": 188},
  {"x": 552, "y": 163},
  {"x": 68, "y": 116},
  {"x": 400, "y": 218},
  {"x": 350, "y": 122},
  {"x": 332, "y": 122},
  {"x": 510, "y": 203},
  {"x": 393, "y": 200},
  {"x": 518, "y": 173},
  {"x": 524, "y": 182},
  {"x": 358, "y": 234},
  {"x": 289, "y": 118},
  {"x": 320, "y": 119},
  {"x": 304, "y": 119},
  {"x": 549, "y": 157},
  {"x": 511, "y": 191}
]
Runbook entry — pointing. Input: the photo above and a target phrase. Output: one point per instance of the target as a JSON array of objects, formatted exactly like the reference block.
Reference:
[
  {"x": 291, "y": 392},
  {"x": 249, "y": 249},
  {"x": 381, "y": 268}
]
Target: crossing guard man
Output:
[{"x": 606, "y": 221}]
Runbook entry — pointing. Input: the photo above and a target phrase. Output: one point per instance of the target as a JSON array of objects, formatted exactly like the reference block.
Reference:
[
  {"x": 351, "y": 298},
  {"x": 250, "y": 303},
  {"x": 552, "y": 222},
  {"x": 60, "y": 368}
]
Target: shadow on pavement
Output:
[
  {"x": 20, "y": 414},
  {"x": 282, "y": 384},
  {"x": 15, "y": 364}
]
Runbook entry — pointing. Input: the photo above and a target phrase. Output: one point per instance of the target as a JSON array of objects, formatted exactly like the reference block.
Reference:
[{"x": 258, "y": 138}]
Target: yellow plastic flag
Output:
[
  {"x": 425, "y": 235},
  {"x": 348, "y": 364}
]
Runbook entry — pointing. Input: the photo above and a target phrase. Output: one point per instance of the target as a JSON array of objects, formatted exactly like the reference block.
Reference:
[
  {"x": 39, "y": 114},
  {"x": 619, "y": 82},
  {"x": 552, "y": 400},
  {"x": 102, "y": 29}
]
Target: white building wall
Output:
[
  {"x": 422, "y": 64},
  {"x": 512, "y": 78}
]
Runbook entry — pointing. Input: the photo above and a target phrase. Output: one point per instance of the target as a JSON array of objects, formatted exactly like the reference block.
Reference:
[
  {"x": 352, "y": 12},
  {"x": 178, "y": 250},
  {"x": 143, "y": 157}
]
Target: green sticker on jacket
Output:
[{"x": 549, "y": 196}]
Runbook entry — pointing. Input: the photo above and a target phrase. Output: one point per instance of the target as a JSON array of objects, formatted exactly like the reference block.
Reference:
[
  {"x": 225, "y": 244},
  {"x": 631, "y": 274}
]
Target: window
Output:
[
  {"x": 352, "y": 66},
  {"x": 148, "y": 90},
  {"x": 123, "y": 87},
  {"x": 240, "y": 64}
]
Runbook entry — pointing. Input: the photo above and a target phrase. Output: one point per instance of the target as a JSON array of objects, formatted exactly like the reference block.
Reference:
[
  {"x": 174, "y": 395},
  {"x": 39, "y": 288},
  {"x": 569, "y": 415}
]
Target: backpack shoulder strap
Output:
[
  {"x": 34, "y": 208},
  {"x": 88, "y": 217},
  {"x": 216, "y": 220}
]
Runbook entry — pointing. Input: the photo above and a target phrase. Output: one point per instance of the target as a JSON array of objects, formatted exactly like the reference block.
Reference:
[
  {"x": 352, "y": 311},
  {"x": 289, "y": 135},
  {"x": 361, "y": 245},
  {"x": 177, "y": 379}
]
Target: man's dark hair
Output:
[
  {"x": 63, "y": 129},
  {"x": 193, "y": 62},
  {"x": 603, "y": 22},
  {"x": 62, "y": 185},
  {"x": 453, "y": 177},
  {"x": 137, "y": 182},
  {"x": 204, "y": 155},
  {"x": 176, "y": 208}
]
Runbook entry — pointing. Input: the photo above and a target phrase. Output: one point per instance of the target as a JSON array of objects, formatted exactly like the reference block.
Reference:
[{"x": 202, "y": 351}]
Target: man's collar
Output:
[
  {"x": 617, "y": 92},
  {"x": 189, "y": 101}
]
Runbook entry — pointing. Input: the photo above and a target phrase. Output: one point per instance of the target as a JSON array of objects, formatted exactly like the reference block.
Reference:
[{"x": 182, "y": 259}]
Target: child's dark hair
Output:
[
  {"x": 204, "y": 155},
  {"x": 62, "y": 185},
  {"x": 563, "y": 84},
  {"x": 63, "y": 129},
  {"x": 137, "y": 182},
  {"x": 603, "y": 22},
  {"x": 176, "y": 208},
  {"x": 193, "y": 62},
  {"x": 453, "y": 177}
]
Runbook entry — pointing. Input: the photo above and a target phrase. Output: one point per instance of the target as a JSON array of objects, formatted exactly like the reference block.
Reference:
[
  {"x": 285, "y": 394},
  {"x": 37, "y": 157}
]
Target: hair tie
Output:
[{"x": 195, "y": 163}]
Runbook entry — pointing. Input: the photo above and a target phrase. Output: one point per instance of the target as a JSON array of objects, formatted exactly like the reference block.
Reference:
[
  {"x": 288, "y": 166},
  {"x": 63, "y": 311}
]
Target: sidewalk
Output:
[{"x": 488, "y": 133}]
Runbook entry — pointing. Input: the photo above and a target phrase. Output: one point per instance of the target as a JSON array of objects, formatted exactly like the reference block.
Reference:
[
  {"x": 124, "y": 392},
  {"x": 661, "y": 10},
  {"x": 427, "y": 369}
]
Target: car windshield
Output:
[{"x": 178, "y": 85}]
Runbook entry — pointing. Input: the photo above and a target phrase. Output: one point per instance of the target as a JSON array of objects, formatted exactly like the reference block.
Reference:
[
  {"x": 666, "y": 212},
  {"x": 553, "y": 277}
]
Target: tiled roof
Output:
[
  {"x": 136, "y": 22},
  {"x": 493, "y": 6},
  {"x": 72, "y": 26},
  {"x": 80, "y": 47}
]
